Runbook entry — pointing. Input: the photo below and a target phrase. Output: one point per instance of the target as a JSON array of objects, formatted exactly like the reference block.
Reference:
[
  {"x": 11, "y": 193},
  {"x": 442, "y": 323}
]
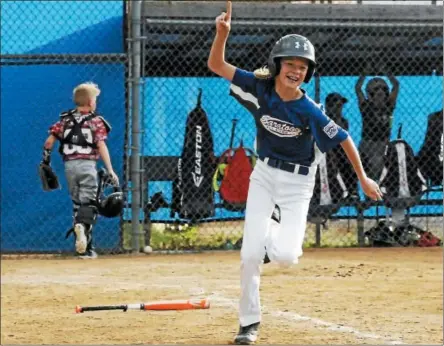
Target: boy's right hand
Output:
[
  {"x": 371, "y": 189},
  {"x": 46, "y": 157},
  {"x": 223, "y": 21}
]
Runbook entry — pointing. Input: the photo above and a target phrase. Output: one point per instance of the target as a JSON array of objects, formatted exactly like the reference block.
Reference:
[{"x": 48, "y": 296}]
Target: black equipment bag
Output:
[
  {"x": 193, "y": 196},
  {"x": 401, "y": 181},
  {"x": 430, "y": 156}
]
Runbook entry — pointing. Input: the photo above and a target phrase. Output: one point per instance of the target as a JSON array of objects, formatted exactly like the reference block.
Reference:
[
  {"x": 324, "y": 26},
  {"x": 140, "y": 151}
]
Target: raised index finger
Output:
[{"x": 228, "y": 15}]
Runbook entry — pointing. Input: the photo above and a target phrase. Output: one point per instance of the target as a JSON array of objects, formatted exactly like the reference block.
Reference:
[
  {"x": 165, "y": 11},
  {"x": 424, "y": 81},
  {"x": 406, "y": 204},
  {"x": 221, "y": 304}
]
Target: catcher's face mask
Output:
[{"x": 110, "y": 199}]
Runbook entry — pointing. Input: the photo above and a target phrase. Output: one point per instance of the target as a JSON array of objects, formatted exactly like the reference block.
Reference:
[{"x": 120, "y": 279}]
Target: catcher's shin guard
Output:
[
  {"x": 86, "y": 214},
  {"x": 89, "y": 239},
  {"x": 84, "y": 218}
]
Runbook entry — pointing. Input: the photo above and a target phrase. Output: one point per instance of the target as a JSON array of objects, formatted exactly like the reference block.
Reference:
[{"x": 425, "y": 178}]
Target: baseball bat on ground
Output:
[{"x": 184, "y": 304}]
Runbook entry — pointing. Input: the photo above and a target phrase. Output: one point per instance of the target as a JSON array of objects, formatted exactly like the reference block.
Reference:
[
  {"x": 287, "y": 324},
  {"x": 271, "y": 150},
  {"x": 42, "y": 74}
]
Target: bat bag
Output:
[{"x": 193, "y": 197}]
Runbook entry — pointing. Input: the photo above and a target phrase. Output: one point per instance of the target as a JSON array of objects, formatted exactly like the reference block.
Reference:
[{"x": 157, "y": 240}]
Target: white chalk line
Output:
[
  {"x": 214, "y": 298},
  {"x": 294, "y": 317}
]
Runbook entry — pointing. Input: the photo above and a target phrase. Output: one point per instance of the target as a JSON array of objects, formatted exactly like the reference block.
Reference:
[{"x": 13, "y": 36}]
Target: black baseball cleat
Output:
[
  {"x": 266, "y": 259},
  {"x": 247, "y": 335},
  {"x": 88, "y": 254}
]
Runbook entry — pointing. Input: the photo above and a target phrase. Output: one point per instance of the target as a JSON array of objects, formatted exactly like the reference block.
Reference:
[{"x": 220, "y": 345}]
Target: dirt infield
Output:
[{"x": 334, "y": 296}]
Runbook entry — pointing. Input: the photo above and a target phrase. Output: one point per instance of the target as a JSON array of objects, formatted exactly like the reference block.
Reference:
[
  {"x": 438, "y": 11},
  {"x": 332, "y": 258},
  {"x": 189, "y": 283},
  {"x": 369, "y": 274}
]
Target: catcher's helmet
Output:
[
  {"x": 292, "y": 46},
  {"x": 110, "y": 205}
]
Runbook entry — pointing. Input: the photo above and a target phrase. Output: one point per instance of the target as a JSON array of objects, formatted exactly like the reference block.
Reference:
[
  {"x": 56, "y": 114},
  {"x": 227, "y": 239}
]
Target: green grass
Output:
[{"x": 223, "y": 235}]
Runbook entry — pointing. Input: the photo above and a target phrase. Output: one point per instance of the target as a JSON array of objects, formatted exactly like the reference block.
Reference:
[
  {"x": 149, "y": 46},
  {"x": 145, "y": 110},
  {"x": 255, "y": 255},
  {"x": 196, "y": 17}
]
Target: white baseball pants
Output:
[{"x": 292, "y": 193}]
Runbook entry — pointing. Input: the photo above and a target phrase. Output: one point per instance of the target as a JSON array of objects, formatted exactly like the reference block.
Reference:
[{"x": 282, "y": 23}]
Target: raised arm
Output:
[
  {"x": 395, "y": 89},
  {"x": 216, "y": 60},
  {"x": 358, "y": 89},
  {"x": 360, "y": 83}
]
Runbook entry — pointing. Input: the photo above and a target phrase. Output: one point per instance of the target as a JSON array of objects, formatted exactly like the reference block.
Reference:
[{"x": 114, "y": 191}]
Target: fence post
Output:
[
  {"x": 317, "y": 97},
  {"x": 136, "y": 13},
  {"x": 360, "y": 222}
]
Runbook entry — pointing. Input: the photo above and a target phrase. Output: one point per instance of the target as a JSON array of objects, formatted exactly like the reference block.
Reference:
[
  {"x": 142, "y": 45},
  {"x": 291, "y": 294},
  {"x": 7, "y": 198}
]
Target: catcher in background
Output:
[
  {"x": 82, "y": 134},
  {"x": 292, "y": 131}
]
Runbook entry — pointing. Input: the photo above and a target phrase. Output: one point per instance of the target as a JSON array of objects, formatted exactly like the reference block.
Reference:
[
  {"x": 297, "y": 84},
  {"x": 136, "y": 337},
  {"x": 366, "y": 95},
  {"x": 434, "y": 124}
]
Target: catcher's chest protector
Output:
[
  {"x": 72, "y": 131},
  {"x": 78, "y": 133},
  {"x": 192, "y": 190}
]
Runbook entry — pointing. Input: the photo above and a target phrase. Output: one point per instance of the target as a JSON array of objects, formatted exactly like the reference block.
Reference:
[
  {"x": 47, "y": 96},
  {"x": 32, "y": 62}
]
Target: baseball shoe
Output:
[
  {"x": 247, "y": 335},
  {"x": 90, "y": 254},
  {"x": 81, "y": 241}
]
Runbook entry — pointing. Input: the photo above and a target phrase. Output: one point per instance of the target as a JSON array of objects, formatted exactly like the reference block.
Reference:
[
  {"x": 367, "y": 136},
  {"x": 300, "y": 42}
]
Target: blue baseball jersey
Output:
[{"x": 286, "y": 130}]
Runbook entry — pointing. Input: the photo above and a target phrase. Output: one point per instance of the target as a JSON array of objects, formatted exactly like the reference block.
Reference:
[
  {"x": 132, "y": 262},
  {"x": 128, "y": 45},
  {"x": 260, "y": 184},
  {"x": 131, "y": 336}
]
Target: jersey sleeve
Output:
[
  {"x": 326, "y": 132},
  {"x": 100, "y": 130},
  {"x": 56, "y": 129},
  {"x": 244, "y": 89}
]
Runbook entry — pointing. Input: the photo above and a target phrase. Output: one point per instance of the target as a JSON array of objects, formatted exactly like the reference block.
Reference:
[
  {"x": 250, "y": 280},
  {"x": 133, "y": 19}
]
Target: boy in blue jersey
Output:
[{"x": 292, "y": 131}]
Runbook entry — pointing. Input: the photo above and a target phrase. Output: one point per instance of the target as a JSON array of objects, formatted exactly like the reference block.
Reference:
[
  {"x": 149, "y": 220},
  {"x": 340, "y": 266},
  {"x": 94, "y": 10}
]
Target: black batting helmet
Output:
[
  {"x": 109, "y": 204},
  {"x": 292, "y": 46}
]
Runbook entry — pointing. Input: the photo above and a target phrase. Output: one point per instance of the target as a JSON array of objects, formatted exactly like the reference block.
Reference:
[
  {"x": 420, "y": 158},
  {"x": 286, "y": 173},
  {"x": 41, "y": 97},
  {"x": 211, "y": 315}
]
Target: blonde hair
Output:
[
  {"x": 262, "y": 73},
  {"x": 84, "y": 93}
]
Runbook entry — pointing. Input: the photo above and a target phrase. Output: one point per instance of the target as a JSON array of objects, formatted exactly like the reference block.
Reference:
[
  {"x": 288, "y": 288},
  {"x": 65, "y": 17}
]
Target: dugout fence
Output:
[
  {"x": 149, "y": 58},
  {"x": 357, "y": 46}
]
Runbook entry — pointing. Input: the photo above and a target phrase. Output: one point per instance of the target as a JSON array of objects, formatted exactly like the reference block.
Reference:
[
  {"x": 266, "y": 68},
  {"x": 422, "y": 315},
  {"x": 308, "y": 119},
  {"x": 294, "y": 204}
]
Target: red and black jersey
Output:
[{"x": 79, "y": 134}]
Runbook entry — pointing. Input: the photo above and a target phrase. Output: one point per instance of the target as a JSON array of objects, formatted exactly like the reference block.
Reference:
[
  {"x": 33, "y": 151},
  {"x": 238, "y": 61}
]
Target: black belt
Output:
[{"x": 286, "y": 166}]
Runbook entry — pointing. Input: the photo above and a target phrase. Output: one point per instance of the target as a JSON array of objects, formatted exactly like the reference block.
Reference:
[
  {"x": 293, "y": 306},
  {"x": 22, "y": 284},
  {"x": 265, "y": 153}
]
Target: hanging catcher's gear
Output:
[{"x": 109, "y": 204}]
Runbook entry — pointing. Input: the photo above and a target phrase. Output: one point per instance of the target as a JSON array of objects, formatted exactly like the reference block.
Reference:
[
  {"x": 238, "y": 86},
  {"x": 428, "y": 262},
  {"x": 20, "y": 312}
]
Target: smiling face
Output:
[{"x": 292, "y": 72}]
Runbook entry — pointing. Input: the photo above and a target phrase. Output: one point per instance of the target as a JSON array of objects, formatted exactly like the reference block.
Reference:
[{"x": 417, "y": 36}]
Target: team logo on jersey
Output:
[
  {"x": 280, "y": 128},
  {"x": 331, "y": 129}
]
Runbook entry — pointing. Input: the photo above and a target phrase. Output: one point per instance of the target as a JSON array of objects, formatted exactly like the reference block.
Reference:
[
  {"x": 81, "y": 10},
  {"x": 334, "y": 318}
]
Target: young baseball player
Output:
[
  {"x": 291, "y": 128},
  {"x": 334, "y": 104},
  {"x": 82, "y": 134},
  {"x": 377, "y": 106}
]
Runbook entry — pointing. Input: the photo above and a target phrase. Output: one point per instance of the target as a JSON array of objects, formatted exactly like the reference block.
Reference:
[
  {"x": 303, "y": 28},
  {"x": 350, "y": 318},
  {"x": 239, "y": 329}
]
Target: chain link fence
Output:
[
  {"x": 366, "y": 56},
  {"x": 379, "y": 75},
  {"x": 48, "y": 48}
]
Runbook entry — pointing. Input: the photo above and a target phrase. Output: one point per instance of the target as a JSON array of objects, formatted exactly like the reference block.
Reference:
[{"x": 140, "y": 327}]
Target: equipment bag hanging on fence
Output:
[
  {"x": 192, "y": 188},
  {"x": 431, "y": 155},
  {"x": 403, "y": 184},
  {"x": 401, "y": 177},
  {"x": 329, "y": 189},
  {"x": 234, "y": 170}
]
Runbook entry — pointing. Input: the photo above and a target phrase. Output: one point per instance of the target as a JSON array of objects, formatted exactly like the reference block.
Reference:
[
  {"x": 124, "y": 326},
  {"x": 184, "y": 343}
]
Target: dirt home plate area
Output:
[{"x": 334, "y": 296}]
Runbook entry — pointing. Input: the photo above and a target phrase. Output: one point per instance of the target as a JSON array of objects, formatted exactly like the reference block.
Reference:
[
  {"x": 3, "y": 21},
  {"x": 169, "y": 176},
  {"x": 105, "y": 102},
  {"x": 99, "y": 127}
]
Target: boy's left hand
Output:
[
  {"x": 371, "y": 189},
  {"x": 114, "y": 177}
]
